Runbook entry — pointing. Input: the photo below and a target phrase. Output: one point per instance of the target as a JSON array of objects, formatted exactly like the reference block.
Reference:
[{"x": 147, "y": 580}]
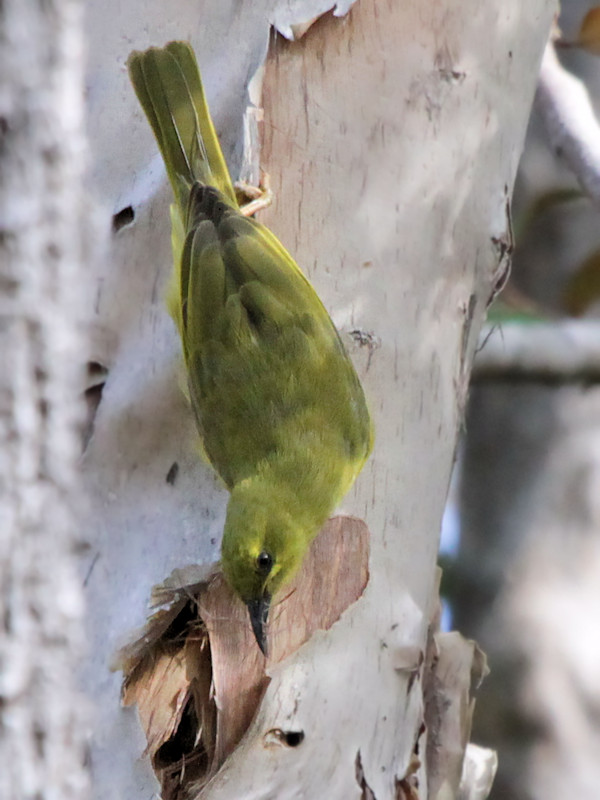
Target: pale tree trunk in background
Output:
[
  {"x": 509, "y": 429},
  {"x": 531, "y": 513},
  {"x": 391, "y": 137},
  {"x": 532, "y": 556},
  {"x": 42, "y": 727}
]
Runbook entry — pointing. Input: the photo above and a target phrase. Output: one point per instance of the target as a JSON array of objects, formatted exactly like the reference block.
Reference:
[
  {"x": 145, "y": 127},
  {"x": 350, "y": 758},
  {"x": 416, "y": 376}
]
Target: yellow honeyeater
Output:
[{"x": 278, "y": 405}]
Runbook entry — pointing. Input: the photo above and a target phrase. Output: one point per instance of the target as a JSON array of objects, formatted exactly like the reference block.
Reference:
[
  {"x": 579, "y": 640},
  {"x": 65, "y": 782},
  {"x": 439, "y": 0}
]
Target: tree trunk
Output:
[
  {"x": 392, "y": 137},
  {"x": 42, "y": 727}
]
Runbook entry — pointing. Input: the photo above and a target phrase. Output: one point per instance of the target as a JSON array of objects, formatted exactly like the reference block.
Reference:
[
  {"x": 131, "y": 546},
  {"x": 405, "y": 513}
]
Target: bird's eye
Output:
[{"x": 264, "y": 562}]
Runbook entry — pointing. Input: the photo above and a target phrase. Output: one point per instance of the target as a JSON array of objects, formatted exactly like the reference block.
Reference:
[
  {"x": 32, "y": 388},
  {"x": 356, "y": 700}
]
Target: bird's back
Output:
[
  {"x": 268, "y": 375},
  {"x": 270, "y": 383}
]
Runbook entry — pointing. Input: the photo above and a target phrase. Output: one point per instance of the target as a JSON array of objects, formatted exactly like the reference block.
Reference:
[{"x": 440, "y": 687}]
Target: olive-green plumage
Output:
[{"x": 279, "y": 407}]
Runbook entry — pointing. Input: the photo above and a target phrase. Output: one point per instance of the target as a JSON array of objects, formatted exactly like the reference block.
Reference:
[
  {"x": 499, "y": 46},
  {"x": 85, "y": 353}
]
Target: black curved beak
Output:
[{"x": 259, "y": 611}]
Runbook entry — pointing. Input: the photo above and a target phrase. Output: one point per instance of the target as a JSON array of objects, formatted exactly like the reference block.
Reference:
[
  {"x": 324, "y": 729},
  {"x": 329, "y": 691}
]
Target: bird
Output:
[{"x": 278, "y": 405}]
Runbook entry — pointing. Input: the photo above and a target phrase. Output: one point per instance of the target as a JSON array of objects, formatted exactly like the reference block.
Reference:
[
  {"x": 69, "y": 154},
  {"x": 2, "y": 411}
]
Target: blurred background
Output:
[{"x": 521, "y": 542}]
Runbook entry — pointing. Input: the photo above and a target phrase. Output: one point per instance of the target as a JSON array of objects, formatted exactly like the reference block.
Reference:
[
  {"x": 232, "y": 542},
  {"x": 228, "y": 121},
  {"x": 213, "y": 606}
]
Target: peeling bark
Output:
[
  {"x": 196, "y": 674},
  {"x": 391, "y": 137}
]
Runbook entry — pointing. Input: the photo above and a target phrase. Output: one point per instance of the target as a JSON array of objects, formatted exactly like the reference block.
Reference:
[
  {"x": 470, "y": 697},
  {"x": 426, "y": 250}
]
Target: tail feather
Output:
[{"x": 168, "y": 85}]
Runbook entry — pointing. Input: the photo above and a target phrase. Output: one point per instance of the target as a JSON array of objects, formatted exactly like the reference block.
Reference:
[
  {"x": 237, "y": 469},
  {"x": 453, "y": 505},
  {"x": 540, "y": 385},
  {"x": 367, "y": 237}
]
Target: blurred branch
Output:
[
  {"x": 542, "y": 352},
  {"x": 571, "y": 125}
]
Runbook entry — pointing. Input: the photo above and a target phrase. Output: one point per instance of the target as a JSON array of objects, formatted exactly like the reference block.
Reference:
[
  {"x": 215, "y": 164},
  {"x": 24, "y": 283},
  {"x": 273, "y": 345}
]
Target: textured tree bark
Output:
[
  {"x": 42, "y": 235},
  {"x": 391, "y": 137}
]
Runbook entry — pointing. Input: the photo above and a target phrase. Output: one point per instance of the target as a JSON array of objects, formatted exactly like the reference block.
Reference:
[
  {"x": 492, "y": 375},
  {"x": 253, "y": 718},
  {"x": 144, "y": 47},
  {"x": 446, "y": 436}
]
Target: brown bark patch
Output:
[{"x": 195, "y": 672}]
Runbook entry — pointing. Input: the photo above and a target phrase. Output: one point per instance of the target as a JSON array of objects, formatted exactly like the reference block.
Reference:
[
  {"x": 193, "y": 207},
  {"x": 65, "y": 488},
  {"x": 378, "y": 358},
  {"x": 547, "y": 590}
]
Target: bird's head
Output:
[{"x": 263, "y": 546}]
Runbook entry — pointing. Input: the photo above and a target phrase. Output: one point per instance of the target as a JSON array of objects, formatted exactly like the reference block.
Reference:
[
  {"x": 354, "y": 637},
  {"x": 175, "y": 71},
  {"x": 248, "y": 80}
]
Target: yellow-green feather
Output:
[
  {"x": 278, "y": 404},
  {"x": 168, "y": 85}
]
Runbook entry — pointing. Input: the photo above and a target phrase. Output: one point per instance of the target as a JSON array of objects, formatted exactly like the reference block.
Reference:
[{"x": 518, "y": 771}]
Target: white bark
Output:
[
  {"x": 545, "y": 352},
  {"x": 532, "y": 563},
  {"x": 42, "y": 727},
  {"x": 551, "y": 607},
  {"x": 392, "y": 137},
  {"x": 565, "y": 107}
]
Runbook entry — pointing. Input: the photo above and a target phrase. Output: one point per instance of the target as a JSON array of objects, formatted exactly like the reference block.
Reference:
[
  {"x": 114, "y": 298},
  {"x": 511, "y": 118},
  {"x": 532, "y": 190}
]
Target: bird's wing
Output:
[{"x": 265, "y": 362}]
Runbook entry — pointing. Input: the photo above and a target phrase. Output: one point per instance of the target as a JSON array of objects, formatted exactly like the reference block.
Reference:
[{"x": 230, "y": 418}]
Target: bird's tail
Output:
[{"x": 168, "y": 85}]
